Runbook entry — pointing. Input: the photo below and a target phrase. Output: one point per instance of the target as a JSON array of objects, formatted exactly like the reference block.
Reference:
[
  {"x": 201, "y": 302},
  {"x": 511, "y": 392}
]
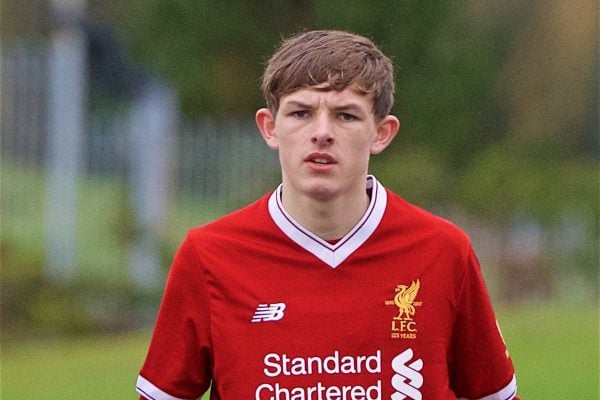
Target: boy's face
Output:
[{"x": 325, "y": 138}]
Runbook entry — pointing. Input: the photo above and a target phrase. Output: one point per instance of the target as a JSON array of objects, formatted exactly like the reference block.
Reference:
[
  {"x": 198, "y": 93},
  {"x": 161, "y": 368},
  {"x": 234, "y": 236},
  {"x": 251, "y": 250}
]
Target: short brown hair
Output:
[{"x": 336, "y": 57}]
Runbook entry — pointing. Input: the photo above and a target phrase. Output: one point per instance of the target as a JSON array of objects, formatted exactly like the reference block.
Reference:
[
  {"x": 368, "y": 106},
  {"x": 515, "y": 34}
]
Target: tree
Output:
[{"x": 497, "y": 100}]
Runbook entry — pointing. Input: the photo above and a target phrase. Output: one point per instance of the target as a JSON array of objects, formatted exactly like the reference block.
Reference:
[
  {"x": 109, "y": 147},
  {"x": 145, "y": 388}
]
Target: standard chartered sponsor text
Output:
[
  {"x": 282, "y": 365},
  {"x": 318, "y": 392}
]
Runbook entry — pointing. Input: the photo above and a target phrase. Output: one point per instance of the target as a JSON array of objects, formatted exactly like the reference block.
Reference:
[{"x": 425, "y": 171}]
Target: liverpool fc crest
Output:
[{"x": 403, "y": 326}]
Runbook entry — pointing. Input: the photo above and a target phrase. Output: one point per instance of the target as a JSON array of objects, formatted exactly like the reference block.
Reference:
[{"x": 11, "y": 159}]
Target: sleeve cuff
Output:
[{"x": 146, "y": 389}]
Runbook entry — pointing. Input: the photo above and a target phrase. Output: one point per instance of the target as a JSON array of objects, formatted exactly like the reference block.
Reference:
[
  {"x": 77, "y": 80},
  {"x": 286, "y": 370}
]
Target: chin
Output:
[
  {"x": 321, "y": 194},
  {"x": 321, "y": 190}
]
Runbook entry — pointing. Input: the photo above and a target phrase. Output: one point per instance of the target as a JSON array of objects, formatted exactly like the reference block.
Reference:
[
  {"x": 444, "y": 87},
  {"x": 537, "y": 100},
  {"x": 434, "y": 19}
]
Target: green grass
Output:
[
  {"x": 555, "y": 350},
  {"x": 100, "y": 368}
]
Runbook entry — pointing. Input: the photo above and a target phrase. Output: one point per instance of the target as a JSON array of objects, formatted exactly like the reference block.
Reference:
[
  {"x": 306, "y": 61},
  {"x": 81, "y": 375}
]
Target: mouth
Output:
[{"x": 321, "y": 159}]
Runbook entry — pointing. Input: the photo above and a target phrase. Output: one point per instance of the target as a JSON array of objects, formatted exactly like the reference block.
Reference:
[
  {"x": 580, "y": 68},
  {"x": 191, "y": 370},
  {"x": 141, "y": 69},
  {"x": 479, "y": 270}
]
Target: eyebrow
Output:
[
  {"x": 298, "y": 104},
  {"x": 344, "y": 107},
  {"x": 349, "y": 107}
]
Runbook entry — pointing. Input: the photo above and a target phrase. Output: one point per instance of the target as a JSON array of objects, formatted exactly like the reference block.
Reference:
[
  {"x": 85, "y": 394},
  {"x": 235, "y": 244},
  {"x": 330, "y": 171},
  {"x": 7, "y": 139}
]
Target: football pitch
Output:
[{"x": 554, "y": 348}]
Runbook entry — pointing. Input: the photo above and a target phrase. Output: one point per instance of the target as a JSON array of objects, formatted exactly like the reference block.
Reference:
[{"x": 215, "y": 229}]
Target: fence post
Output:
[
  {"x": 66, "y": 116},
  {"x": 153, "y": 122}
]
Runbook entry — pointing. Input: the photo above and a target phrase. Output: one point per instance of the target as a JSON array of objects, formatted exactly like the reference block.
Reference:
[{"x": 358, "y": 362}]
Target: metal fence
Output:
[
  {"x": 225, "y": 161},
  {"x": 212, "y": 159},
  {"x": 23, "y": 112},
  {"x": 217, "y": 162}
]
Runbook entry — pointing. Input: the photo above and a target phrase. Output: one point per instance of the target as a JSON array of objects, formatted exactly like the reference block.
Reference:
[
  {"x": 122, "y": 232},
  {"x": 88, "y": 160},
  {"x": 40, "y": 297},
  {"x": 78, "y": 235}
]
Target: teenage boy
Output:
[{"x": 331, "y": 286}]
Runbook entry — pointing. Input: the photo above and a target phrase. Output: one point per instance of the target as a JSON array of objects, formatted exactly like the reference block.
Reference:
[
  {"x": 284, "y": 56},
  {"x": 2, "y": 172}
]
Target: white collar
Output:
[{"x": 332, "y": 254}]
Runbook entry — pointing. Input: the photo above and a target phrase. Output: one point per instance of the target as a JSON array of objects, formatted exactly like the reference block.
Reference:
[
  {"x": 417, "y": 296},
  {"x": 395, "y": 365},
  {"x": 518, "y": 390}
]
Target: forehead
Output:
[{"x": 323, "y": 93}]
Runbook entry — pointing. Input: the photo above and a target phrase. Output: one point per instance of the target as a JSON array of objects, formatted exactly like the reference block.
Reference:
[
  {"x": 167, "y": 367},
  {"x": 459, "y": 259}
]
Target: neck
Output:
[{"x": 329, "y": 219}]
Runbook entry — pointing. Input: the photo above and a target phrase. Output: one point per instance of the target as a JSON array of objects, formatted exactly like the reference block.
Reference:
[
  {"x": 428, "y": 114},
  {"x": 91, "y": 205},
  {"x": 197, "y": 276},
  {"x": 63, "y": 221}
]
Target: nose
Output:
[{"x": 323, "y": 130}]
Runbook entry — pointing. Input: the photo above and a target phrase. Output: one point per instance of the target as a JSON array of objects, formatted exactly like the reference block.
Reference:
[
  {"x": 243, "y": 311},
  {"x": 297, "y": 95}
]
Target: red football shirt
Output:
[{"x": 257, "y": 307}]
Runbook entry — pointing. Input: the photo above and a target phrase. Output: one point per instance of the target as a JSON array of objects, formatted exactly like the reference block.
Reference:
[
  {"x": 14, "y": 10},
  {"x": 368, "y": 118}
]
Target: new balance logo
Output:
[
  {"x": 268, "y": 312},
  {"x": 407, "y": 379}
]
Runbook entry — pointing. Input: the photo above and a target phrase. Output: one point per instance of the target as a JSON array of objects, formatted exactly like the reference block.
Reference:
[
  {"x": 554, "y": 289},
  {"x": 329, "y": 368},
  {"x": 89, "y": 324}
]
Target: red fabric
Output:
[{"x": 225, "y": 271}]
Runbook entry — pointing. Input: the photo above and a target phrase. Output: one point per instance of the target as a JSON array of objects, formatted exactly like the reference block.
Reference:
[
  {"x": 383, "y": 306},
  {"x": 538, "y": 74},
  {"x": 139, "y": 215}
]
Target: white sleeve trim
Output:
[
  {"x": 145, "y": 388},
  {"x": 507, "y": 393}
]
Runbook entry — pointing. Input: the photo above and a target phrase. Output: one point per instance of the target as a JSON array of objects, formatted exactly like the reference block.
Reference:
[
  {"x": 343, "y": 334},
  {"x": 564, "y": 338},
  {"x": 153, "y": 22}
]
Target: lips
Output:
[{"x": 320, "y": 158}]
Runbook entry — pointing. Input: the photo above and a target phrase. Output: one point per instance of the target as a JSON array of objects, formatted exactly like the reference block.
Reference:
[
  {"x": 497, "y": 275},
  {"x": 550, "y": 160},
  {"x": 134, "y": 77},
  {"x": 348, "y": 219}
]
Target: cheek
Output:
[
  {"x": 288, "y": 152},
  {"x": 290, "y": 139},
  {"x": 362, "y": 147},
  {"x": 286, "y": 145}
]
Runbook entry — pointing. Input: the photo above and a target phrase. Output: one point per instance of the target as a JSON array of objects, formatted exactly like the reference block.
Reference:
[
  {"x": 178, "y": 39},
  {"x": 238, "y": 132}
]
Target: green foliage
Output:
[
  {"x": 35, "y": 307},
  {"x": 214, "y": 53},
  {"x": 507, "y": 180},
  {"x": 417, "y": 172},
  {"x": 450, "y": 58},
  {"x": 458, "y": 146},
  {"x": 100, "y": 298}
]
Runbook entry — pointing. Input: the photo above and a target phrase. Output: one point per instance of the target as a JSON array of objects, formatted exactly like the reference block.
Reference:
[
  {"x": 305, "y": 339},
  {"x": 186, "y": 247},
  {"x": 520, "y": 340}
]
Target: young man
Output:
[{"x": 331, "y": 287}]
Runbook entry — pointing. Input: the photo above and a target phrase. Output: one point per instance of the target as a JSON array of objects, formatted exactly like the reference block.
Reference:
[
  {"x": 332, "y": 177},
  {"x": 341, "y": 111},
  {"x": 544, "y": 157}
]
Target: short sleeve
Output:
[
  {"x": 178, "y": 364},
  {"x": 480, "y": 366}
]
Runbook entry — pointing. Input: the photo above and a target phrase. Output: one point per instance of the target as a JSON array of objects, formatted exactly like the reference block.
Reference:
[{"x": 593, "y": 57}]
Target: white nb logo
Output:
[
  {"x": 407, "y": 378},
  {"x": 269, "y": 312}
]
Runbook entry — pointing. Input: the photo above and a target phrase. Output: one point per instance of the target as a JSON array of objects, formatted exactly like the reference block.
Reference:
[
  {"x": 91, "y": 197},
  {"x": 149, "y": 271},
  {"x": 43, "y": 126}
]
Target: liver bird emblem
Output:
[{"x": 404, "y": 298}]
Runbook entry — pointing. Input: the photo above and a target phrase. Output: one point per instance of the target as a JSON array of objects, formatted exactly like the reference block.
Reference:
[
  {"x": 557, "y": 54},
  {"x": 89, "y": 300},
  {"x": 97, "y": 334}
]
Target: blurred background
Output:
[{"x": 124, "y": 123}]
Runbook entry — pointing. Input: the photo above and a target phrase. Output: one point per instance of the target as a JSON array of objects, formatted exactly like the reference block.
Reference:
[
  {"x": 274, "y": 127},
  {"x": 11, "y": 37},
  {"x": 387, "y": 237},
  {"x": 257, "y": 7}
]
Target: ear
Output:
[
  {"x": 266, "y": 125},
  {"x": 387, "y": 129}
]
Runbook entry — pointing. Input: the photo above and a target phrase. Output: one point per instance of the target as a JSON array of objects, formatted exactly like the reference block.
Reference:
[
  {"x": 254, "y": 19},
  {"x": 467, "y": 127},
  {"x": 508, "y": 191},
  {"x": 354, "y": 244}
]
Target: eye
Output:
[
  {"x": 347, "y": 117},
  {"x": 300, "y": 114}
]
